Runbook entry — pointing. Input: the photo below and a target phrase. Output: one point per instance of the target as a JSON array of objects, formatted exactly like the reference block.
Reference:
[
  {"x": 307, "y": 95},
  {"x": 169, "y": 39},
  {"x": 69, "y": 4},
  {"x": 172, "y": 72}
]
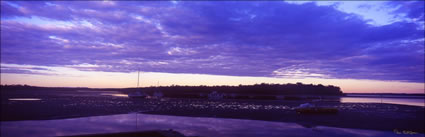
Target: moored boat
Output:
[
  {"x": 137, "y": 94},
  {"x": 308, "y": 108},
  {"x": 317, "y": 110}
]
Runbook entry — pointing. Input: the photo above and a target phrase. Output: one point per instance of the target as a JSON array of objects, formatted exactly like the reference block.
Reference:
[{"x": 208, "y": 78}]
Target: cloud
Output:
[
  {"x": 180, "y": 51},
  {"x": 272, "y": 39},
  {"x": 25, "y": 69}
]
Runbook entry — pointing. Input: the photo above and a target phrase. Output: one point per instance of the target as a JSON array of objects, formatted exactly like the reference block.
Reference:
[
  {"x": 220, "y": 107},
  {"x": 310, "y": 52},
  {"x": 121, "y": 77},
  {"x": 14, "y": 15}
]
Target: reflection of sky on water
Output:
[
  {"x": 114, "y": 94},
  {"x": 403, "y": 101},
  {"x": 24, "y": 99},
  {"x": 190, "y": 126}
]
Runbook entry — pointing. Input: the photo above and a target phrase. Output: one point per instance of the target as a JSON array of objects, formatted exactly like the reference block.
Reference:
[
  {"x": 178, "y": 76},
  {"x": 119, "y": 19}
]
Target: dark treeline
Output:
[
  {"x": 257, "y": 89},
  {"x": 19, "y": 87}
]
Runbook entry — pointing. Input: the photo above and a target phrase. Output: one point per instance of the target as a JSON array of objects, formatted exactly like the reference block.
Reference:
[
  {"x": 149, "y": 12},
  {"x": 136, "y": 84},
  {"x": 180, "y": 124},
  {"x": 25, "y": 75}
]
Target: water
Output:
[
  {"x": 114, "y": 94},
  {"x": 24, "y": 99},
  {"x": 390, "y": 100},
  {"x": 189, "y": 126}
]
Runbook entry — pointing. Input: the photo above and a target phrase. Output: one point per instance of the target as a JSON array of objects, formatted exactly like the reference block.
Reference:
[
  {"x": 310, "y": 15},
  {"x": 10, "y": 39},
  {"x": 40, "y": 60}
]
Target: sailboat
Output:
[{"x": 138, "y": 93}]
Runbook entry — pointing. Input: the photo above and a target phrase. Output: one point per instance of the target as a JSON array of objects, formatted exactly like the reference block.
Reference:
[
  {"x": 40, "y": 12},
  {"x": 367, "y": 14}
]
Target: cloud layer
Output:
[{"x": 272, "y": 39}]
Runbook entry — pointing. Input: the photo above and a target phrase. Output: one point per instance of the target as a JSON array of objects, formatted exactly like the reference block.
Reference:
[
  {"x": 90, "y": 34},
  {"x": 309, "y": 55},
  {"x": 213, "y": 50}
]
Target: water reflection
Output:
[
  {"x": 190, "y": 126},
  {"x": 24, "y": 99},
  {"x": 114, "y": 94},
  {"x": 402, "y": 101}
]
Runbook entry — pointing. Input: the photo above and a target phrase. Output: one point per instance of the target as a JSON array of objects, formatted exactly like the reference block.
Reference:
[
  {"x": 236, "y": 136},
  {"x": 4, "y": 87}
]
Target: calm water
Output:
[
  {"x": 391, "y": 100},
  {"x": 189, "y": 126},
  {"x": 24, "y": 99}
]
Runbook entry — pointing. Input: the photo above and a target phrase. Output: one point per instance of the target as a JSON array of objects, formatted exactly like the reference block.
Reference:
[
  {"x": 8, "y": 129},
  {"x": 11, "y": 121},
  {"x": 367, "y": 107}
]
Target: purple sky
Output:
[{"x": 329, "y": 40}]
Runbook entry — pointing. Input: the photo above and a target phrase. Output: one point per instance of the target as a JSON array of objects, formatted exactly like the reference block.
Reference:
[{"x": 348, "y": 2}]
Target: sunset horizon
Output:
[{"x": 129, "y": 80}]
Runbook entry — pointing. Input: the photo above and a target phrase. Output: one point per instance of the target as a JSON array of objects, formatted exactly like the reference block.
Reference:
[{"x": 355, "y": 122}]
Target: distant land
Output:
[{"x": 255, "y": 90}]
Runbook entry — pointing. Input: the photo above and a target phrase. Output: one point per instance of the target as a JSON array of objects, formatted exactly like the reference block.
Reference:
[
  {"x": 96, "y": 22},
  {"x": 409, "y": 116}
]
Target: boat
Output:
[
  {"x": 316, "y": 110},
  {"x": 308, "y": 108},
  {"x": 157, "y": 95},
  {"x": 139, "y": 93},
  {"x": 215, "y": 95}
]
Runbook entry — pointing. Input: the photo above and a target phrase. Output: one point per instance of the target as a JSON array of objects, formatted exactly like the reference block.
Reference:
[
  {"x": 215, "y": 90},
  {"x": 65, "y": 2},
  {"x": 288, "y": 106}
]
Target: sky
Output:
[{"x": 374, "y": 46}]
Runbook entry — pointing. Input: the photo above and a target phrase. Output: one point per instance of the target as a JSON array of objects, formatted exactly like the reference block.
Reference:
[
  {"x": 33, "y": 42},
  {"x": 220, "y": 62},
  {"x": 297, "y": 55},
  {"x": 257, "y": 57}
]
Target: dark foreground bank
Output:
[
  {"x": 373, "y": 116},
  {"x": 52, "y": 104},
  {"x": 154, "y": 133}
]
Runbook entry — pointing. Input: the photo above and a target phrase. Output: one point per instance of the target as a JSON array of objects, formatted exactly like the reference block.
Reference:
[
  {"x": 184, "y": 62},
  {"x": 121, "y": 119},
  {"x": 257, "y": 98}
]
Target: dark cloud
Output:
[
  {"x": 413, "y": 9},
  {"x": 24, "y": 70},
  {"x": 7, "y": 10},
  {"x": 273, "y": 39}
]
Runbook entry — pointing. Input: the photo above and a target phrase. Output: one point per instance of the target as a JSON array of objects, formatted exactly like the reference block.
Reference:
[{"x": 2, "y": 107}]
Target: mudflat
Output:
[{"x": 69, "y": 104}]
